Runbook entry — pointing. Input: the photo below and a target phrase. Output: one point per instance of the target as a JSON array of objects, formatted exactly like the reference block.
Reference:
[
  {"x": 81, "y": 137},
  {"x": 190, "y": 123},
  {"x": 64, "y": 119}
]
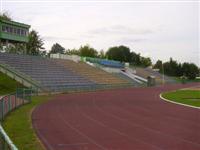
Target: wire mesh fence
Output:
[{"x": 7, "y": 104}]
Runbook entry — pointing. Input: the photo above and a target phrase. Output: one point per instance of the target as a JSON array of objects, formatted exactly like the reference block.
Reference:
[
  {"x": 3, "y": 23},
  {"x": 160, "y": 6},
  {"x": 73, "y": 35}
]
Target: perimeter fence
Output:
[{"x": 9, "y": 103}]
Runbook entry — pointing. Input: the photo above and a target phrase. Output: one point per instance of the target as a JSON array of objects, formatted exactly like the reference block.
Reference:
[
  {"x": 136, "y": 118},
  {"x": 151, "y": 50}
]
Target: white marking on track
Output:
[
  {"x": 81, "y": 133},
  {"x": 177, "y": 102},
  {"x": 73, "y": 144},
  {"x": 135, "y": 124},
  {"x": 117, "y": 131}
]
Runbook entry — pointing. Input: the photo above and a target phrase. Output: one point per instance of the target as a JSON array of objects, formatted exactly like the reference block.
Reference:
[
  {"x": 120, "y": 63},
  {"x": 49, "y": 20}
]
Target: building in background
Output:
[{"x": 12, "y": 32}]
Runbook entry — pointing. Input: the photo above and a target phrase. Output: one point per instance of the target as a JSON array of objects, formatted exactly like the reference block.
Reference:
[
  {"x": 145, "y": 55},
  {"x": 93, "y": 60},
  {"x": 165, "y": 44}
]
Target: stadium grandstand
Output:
[{"x": 58, "y": 75}]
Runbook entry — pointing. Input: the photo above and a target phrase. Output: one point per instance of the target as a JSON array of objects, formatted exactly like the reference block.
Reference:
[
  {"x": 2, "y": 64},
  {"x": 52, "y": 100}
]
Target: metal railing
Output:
[
  {"x": 7, "y": 104},
  {"x": 21, "y": 75}
]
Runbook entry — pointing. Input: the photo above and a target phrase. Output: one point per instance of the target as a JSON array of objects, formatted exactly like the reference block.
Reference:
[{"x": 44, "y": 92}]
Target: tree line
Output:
[
  {"x": 173, "y": 68},
  {"x": 119, "y": 53},
  {"x": 122, "y": 53}
]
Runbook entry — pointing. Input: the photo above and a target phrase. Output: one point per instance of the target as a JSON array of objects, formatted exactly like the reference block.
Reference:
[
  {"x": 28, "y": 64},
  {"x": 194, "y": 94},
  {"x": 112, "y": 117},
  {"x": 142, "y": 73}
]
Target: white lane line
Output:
[
  {"x": 81, "y": 133},
  {"x": 37, "y": 130},
  {"x": 178, "y": 103},
  {"x": 117, "y": 131},
  {"x": 74, "y": 144},
  {"x": 141, "y": 126},
  {"x": 152, "y": 117}
]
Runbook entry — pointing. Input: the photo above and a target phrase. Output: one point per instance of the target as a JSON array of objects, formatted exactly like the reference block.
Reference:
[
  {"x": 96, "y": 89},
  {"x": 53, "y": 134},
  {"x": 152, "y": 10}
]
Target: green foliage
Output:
[
  {"x": 35, "y": 43},
  {"x": 190, "y": 97},
  {"x": 8, "y": 85},
  {"x": 119, "y": 53},
  {"x": 87, "y": 51},
  {"x": 158, "y": 65},
  {"x": 190, "y": 70},
  {"x": 17, "y": 48},
  {"x": 102, "y": 54},
  {"x": 72, "y": 52},
  {"x": 145, "y": 61},
  {"x": 5, "y": 16},
  {"x": 57, "y": 48},
  {"x": 135, "y": 59},
  {"x": 172, "y": 68},
  {"x": 18, "y": 125}
]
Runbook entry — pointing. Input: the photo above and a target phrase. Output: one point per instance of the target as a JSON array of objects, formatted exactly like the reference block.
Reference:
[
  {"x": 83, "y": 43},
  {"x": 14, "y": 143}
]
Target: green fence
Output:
[{"x": 7, "y": 104}]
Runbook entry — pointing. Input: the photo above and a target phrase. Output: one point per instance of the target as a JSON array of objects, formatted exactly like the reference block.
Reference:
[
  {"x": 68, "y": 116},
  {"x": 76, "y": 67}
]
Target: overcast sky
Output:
[{"x": 158, "y": 29}]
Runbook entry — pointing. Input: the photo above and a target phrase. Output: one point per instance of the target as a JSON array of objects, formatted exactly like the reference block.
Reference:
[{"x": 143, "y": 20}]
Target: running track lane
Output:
[{"x": 127, "y": 119}]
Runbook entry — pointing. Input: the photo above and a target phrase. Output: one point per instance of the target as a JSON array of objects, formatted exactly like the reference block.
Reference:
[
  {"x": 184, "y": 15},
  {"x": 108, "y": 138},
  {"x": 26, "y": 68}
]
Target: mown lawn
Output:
[
  {"x": 190, "y": 97},
  {"x": 18, "y": 125},
  {"x": 8, "y": 85}
]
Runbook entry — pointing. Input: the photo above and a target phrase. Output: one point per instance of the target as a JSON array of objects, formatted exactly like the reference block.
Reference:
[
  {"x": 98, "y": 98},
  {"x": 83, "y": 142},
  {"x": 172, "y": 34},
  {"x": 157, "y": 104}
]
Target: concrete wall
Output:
[{"x": 74, "y": 58}]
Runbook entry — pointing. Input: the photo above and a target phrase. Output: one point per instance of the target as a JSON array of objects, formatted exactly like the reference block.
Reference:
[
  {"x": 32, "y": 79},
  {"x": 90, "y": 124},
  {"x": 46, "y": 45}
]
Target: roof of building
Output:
[{"x": 15, "y": 23}]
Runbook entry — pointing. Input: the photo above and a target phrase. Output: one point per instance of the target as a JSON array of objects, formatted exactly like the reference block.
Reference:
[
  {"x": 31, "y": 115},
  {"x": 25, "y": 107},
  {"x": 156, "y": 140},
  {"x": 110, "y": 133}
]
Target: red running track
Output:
[{"x": 127, "y": 119}]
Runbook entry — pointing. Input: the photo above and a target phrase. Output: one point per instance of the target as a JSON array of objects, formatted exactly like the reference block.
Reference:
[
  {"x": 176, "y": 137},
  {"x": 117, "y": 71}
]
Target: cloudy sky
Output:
[{"x": 158, "y": 29}]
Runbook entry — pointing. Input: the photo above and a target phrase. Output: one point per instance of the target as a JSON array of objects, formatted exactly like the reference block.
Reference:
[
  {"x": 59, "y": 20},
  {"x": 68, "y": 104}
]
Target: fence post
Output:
[
  {"x": 15, "y": 98},
  {"x": 2, "y": 108},
  {"x": 1, "y": 103},
  {"x": 9, "y": 105}
]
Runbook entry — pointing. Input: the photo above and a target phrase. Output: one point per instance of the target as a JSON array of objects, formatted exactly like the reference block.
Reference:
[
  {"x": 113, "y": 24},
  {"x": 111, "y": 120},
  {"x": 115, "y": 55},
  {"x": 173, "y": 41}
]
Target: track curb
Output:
[{"x": 167, "y": 100}]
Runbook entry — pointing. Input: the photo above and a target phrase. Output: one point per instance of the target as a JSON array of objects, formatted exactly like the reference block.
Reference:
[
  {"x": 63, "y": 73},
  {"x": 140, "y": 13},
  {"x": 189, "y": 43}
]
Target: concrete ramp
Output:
[{"x": 131, "y": 74}]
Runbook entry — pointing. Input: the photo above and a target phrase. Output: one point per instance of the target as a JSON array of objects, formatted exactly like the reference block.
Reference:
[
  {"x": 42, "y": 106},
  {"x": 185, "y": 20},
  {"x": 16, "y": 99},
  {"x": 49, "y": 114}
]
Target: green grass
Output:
[
  {"x": 189, "y": 97},
  {"x": 8, "y": 85},
  {"x": 18, "y": 125}
]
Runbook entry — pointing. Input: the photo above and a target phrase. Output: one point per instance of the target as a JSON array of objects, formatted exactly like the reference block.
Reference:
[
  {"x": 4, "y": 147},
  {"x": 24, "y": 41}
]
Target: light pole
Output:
[{"x": 163, "y": 76}]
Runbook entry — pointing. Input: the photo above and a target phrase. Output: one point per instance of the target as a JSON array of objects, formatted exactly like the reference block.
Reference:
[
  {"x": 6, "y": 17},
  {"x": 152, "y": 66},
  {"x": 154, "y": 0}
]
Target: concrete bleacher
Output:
[
  {"x": 60, "y": 75},
  {"x": 95, "y": 74},
  {"x": 50, "y": 75}
]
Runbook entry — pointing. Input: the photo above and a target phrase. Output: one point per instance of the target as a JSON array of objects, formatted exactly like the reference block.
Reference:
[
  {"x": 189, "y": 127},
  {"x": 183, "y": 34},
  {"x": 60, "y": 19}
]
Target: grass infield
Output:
[
  {"x": 19, "y": 128},
  {"x": 189, "y": 97}
]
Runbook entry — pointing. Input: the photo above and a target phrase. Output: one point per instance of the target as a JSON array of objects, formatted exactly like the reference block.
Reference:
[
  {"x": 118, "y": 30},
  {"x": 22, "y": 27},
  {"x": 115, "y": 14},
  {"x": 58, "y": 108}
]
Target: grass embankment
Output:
[
  {"x": 18, "y": 125},
  {"x": 8, "y": 85},
  {"x": 189, "y": 97}
]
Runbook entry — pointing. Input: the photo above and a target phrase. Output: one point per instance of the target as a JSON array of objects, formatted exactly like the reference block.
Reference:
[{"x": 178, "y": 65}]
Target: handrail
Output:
[
  {"x": 21, "y": 75},
  {"x": 7, "y": 139}
]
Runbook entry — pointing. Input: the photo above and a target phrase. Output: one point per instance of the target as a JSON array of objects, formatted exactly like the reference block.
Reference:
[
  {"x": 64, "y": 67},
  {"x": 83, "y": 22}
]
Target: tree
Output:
[
  {"x": 88, "y": 51},
  {"x": 57, "y": 48},
  {"x": 171, "y": 67},
  {"x": 101, "y": 54},
  {"x": 190, "y": 70},
  {"x": 35, "y": 43},
  {"x": 5, "y": 16},
  {"x": 17, "y": 48},
  {"x": 120, "y": 53},
  {"x": 72, "y": 51},
  {"x": 146, "y": 61},
  {"x": 158, "y": 65},
  {"x": 135, "y": 59}
]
